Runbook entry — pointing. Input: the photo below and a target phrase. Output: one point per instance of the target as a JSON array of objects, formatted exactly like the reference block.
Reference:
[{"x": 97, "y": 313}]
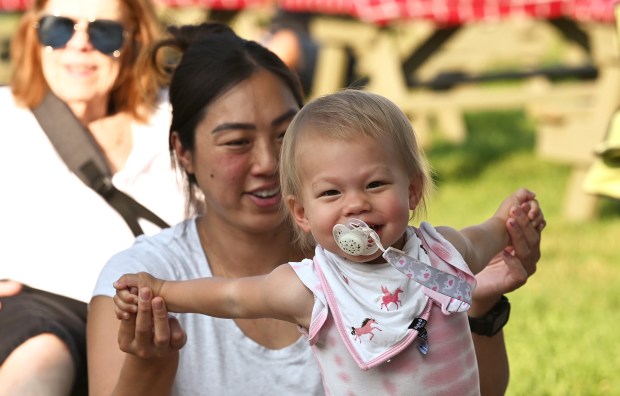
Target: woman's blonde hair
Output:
[
  {"x": 135, "y": 90},
  {"x": 346, "y": 115}
]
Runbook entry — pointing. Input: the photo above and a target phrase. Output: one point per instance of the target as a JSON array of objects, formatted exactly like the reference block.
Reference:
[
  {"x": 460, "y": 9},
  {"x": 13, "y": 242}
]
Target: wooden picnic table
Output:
[
  {"x": 384, "y": 11},
  {"x": 455, "y": 12},
  {"x": 400, "y": 47},
  {"x": 395, "y": 41}
]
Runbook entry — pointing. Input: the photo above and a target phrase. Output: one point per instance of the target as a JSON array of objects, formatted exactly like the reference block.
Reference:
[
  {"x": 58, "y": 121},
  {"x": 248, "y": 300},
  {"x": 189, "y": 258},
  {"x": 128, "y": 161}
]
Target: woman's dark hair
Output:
[{"x": 213, "y": 60}]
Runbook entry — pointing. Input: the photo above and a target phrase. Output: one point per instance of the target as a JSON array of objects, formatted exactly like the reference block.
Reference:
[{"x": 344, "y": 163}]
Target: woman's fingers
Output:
[
  {"x": 127, "y": 334},
  {"x": 161, "y": 328},
  {"x": 534, "y": 214},
  {"x": 144, "y": 319},
  {"x": 525, "y": 240},
  {"x": 150, "y": 332},
  {"x": 517, "y": 272},
  {"x": 178, "y": 338},
  {"x": 168, "y": 330}
]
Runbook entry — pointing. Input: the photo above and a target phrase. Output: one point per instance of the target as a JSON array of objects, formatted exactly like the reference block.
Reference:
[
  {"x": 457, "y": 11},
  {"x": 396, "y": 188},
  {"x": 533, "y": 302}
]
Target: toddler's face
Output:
[{"x": 357, "y": 178}]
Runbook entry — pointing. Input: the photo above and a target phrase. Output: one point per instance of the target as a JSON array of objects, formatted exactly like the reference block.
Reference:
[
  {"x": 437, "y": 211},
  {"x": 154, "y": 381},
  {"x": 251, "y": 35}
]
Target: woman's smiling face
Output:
[{"x": 237, "y": 150}]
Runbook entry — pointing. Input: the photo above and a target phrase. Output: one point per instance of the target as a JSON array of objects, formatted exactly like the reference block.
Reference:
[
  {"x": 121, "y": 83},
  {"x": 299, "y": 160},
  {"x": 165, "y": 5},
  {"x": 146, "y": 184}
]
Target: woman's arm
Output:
[
  {"x": 151, "y": 361},
  {"x": 506, "y": 272}
]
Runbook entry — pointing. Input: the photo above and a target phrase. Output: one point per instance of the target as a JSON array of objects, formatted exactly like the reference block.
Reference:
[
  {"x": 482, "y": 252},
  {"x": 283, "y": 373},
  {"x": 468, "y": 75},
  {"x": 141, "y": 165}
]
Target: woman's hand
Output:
[
  {"x": 510, "y": 269},
  {"x": 151, "y": 332}
]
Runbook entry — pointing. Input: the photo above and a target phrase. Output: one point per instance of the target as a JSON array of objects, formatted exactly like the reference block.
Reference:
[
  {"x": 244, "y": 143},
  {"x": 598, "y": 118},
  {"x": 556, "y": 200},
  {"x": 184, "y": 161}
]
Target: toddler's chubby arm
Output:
[
  {"x": 279, "y": 295},
  {"x": 478, "y": 244}
]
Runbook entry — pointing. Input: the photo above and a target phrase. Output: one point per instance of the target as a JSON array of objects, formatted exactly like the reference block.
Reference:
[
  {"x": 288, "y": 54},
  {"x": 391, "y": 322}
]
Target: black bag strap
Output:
[{"x": 82, "y": 155}]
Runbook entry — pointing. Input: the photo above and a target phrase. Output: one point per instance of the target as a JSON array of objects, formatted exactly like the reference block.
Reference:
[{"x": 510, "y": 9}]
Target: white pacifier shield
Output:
[{"x": 356, "y": 238}]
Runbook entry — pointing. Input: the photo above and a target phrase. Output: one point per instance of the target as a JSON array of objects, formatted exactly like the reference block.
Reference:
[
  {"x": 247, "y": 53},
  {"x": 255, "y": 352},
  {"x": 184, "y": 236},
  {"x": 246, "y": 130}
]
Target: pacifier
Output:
[{"x": 356, "y": 238}]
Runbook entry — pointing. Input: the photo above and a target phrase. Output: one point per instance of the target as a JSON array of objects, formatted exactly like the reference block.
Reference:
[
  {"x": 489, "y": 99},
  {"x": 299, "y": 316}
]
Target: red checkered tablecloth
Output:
[
  {"x": 14, "y": 5},
  {"x": 441, "y": 11},
  {"x": 457, "y": 11}
]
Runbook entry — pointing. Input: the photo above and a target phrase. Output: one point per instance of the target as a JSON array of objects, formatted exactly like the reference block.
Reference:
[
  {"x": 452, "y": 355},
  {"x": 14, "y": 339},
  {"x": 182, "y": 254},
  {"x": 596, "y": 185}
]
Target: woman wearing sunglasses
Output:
[{"x": 86, "y": 52}]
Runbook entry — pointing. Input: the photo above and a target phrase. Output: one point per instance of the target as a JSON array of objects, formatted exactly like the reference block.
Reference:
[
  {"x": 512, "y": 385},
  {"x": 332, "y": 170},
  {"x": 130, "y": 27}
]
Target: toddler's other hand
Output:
[
  {"x": 126, "y": 302},
  {"x": 531, "y": 208}
]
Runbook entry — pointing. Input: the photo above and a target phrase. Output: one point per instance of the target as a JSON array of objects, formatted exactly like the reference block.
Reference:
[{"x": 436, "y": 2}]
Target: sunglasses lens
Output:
[
  {"x": 106, "y": 36},
  {"x": 55, "y": 31}
]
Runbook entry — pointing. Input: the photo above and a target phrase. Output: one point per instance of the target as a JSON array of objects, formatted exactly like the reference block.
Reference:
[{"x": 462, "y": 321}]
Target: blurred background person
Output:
[
  {"x": 289, "y": 37},
  {"x": 87, "y": 52}
]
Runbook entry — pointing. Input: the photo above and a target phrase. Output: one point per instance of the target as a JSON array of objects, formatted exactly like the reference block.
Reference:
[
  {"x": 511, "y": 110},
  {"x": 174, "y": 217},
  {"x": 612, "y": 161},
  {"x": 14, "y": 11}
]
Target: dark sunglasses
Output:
[{"x": 105, "y": 35}]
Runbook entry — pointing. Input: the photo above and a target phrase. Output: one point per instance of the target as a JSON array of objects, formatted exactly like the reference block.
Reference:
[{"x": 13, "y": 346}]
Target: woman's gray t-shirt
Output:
[{"x": 218, "y": 358}]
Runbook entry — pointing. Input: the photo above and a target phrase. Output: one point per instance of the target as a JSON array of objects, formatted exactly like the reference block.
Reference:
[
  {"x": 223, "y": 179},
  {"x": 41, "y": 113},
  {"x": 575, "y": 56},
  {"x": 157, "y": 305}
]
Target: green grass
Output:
[
  {"x": 562, "y": 332},
  {"x": 561, "y": 335}
]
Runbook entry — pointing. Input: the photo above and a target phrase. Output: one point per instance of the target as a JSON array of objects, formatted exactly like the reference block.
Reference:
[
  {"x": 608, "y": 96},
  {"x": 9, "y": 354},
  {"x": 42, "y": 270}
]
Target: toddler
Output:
[{"x": 381, "y": 302}]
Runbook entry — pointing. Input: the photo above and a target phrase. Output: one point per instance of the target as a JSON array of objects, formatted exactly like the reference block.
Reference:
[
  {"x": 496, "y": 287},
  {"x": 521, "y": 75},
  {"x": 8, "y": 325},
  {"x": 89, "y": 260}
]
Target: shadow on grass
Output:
[{"x": 491, "y": 137}]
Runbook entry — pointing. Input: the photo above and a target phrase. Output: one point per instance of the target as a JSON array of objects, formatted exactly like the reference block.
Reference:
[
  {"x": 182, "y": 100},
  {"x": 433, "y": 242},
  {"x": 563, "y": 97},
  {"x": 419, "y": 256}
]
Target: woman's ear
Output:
[
  {"x": 184, "y": 155},
  {"x": 298, "y": 213},
  {"x": 416, "y": 186}
]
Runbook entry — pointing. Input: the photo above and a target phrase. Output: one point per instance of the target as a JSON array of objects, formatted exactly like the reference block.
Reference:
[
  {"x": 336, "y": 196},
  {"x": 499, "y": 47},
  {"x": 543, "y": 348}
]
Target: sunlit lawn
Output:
[{"x": 562, "y": 335}]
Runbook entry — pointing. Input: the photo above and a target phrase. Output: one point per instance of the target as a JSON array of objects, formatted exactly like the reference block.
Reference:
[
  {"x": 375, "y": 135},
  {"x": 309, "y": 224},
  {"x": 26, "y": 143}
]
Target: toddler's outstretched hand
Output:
[
  {"x": 524, "y": 214},
  {"x": 127, "y": 286},
  {"x": 531, "y": 208},
  {"x": 520, "y": 197}
]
